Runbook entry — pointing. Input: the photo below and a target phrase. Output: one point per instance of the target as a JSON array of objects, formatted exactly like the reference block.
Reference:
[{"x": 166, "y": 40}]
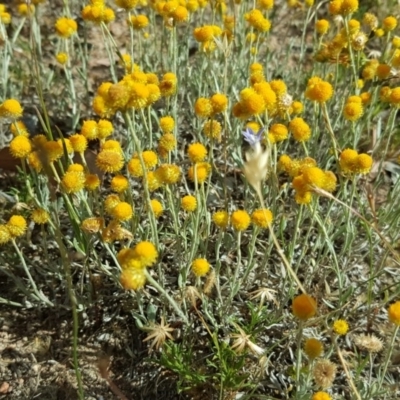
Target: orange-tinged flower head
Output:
[
  {"x": 319, "y": 90},
  {"x": 132, "y": 278},
  {"x": 304, "y": 307},
  {"x": 313, "y": 348},
  {"x": 277, "y": 133},
  {"x": 363, "y": 164},
  {"x": 348, "y": 7},
  {"x": 119, "y": 183},
  {"x": 168, "y": 84},
  {"x": 122, "y": 211},
  {"x": 109, "y": 161},
  {"x": 389, "y": 23},
  {"x": 78, "y": 142},
  {"x": 353, "y": 111},
  {"x": 322, "y": 26},
  {"x": 394, "y": 313},
  {"x": 219, "y": 103},
  {"x": 300, "y": 129},
  {"x": 125, "y": 4},
  {"x": 167, "y": 124},
  {"x": 321, "y": 396}
]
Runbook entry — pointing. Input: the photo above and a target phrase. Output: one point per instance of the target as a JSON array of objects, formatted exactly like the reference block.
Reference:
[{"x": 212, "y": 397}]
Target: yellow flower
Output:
[
  {"x": 168, "y": 174},
  {"x": 200, "y": 172},
  {"x": 104, "y": 129},
  {"x": 389, "y": 23},
  {"x": 139, "y": 21},
  {"x": 322, "y": 26},
  {"x": 20, "y": 147},
  {"x": 146, "y": 253},
  {"x": 10, "y": 109},
  {"x": 394, "y": 313},
  {"x": 16, "y": 225},
  {"x": 125, "y": 4},
  {"x": 363, "y": 164},
  {"x": 150, "y": 159},
  {"x": 40, "y": 216},
  {"x": 304, "y": 307},
  {"x": 168, "y": 84},
  {"x": 196, "y": 152},
  {"x": 78, "y": 142},
  {"x": 240, "y": 220},
  {"x": 110, "y": 202},
  {"x": 321, "y": 396},
  {"x": 262, "y": 218},
  {"x": 277, "y": 133},
  {"x": 109, "y": 161},
  {"x": 347, "y": 160},
  {"x": 221, "y": 219},
  {"x": 313, "y": 348},
  {"x": 353, "y": 111},
  {"x": 256, "y": 19},
  {"x": 73, "y": 181},
  {"x": 219, "y": 102},
  {"x": 212, "y": 129},
  {"x": 66, "y": 27},
  {"x": 89, "y": 130},
  {"x": 167, "y": 124},
  {"x": 300, "y": 129},
  {"x": 204, "y": 33},
  {"x": 348, "y": 7},
  {"x": 122, "y": 211},
  {"x": 157, "y": 208},
  {"x": 341, "y": 327},
  {"x": 319, "y": 90},
  {"x": 5, "y": 235},
  {"x": 132, "y": 278},
  {"x": 62, "y": 58},
  {"x": 92, "y": 182},
  {"x": 119, "y": 183},
  {"x": 167, "y": 143},
  {"x": 203, "y": 107},
  {"x": 189, "y": 203},
  {"x": 200, "y": 267}
]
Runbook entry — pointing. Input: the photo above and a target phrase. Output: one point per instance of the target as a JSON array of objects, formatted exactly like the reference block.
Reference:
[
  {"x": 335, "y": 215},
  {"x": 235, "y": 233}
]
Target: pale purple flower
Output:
[{"x": 251, "y": 137}]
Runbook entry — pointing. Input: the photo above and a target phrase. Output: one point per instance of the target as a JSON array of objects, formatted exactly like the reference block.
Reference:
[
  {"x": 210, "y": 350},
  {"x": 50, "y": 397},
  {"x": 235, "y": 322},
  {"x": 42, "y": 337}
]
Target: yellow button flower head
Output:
[
  {"x": 20, "y": 147},
  {"x": 256, "y": 19},
  {"x": 109, "y": 161},
  {"x": 304, "y": 307},
  {"x": 313, "y": 348},
  {"x": 104, "y": 129},
  {"x": 132, "y": 278},
  {"x": 167, "y": 124},
  {"x": 265, "y": 4},
  {"x": 322, "y": 26},
  {"x": 168, "y": 84},
  {"x": 321, "y": 396},
  {"x": 200, "y": 172},
  {"x": 300, "y": 129},
  {"x": 200, "y": 267},
  {"x": 219, "y": 103},
  {"x": 363, "y": 164},
  {"x": 126, "y": 4},
  {"x": 62, "y": 58},
  {"x": 240, "y": 220},
  {"x": 10, "y": 109},
  {"x": 153, "y": 182},
  {"x": 196, "y": 152},
  {"x": 157, "y": 208},
  {"x": 5, "y": 235},
  {"x": 347, "y": 160},
  {"x": 18, "y": 128},
  {"x": 252, "y": 103},
  {"x": 348, "y": 7},
  {"x": 389, "y": 23},
  {"x": 89, "y": 130},
  {"x": 353, "y": 111},
  {"x": 212, "y": 129},
  {"x": 66, "y": 27},
  {"x": 383, "y": 71},
  {"x": 277, "y": 133},
  {"x": 204, "y": 33},
  {"x": 180, "y": 14},
  {"x": 53, "y": 150},
  {"x": 119, "y": 184},
  {"x": 168, "y": 174},
  {"x": 262, "y": 218},
  {"x": 335, "y": 7},
  {"x": 110, "y": 202},
  {"x": 122, "y": 211},
  {"x": 203, "y": 107},
  {"x": 146, "y": 253},
  {"x": 167, "y": 143},
  {"x": 150, "y": 159},
  {"x": 189, "y": 203},
  {"x": 319, "y": 90},
  {"x": 16, "y": 225},
  {"x": 78, "y": 142},
  {"x": 24, "y": 10},
  {"x": 394, "y": 313},
  {"x": 221, "y": 219},
  {"x": 5, "y": 17},
  {"x": 73, "y": 181},
  {"x": 40, "y": 216},
  {"x": 341, "y": 327},
  {"x": 92, "y": 182}
]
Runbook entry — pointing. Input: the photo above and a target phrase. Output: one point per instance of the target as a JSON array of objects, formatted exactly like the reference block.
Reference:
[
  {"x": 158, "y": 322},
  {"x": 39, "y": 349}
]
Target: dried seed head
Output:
[
  {"x": 324, "y": 373},
  {"x": 369, "y": 343}
]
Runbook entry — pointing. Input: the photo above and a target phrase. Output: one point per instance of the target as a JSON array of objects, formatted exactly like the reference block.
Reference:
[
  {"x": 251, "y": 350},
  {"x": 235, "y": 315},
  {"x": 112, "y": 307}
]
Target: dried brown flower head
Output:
[
  {"x": 192, "y": 294},
  {"x": 242, "y": 341},
  {"x": 210, "y": 283},
  {"x": 324, "y": 373},
  {"x": 159, "y": 333},
  {"x": 369, "y": 343}
]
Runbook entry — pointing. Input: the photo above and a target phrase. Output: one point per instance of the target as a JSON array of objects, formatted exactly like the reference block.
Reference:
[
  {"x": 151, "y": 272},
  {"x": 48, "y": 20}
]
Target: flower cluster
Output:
[
  {"x": 98, "y": 12},
  {"x": 15, "y": 227},
  {"x": 206, "y": 36},
  {"x": 353, "y": 163}
]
